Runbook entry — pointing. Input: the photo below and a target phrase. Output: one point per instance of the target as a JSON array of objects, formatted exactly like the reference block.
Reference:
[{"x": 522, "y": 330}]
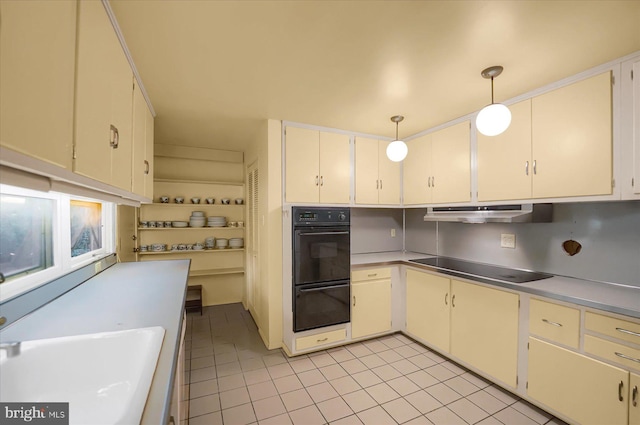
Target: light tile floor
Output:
[{"x": 234, "y": 379}]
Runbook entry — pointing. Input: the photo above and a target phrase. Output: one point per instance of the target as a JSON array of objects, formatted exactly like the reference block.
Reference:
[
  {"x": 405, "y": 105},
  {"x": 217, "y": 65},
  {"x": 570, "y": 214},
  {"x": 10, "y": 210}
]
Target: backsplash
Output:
[
  {"x": 371, "y": 230},
  {"x": 608, "y": 231}
]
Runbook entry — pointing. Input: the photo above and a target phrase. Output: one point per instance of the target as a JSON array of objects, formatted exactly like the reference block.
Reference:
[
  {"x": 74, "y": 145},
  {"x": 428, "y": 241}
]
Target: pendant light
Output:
[
  {"x": 495, "y": 118},
  {"x": 397, "y": 150}
]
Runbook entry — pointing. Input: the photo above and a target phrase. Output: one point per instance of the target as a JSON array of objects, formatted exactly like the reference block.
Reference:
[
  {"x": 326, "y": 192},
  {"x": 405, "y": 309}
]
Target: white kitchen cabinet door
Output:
[
  {"x": 451, "y": 164},
  {"x": 335, "y": 168},
  {"x": 366, "y": 171},
  {"x": 389, "y": 175}
]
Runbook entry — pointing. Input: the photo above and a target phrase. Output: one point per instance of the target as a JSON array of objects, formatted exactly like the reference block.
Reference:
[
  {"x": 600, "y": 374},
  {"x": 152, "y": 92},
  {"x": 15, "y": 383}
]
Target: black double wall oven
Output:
[{"x": 321, "y": 267}]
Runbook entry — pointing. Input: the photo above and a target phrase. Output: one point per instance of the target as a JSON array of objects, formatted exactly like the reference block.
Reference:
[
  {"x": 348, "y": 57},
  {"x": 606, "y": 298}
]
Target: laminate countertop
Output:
[
  {"x": 124, "y": 296},
  {"x": 611, "y": 297}
]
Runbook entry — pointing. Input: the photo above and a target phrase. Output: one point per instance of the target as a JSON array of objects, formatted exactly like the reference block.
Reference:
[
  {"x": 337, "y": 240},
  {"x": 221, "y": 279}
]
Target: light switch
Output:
[{"x": 393, "y": 233}]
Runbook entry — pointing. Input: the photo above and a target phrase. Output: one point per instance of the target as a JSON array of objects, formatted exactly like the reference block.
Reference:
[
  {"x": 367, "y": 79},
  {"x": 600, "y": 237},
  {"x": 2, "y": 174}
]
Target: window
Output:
[
  {"x": 44, "y": 235},
  {"x": 26, "y": 237}
]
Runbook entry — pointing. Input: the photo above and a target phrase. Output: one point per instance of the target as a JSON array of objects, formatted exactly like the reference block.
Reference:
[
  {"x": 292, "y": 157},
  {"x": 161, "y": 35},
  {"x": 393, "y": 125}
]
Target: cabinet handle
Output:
[
  {"x": 625, "y": 331},
  {"x": 323, "y": 339},
  {"x": 372, "y": 275},
  {"x": 429, "y": 181},
  {"x": 535, "y": 167},
  {"x": 433, "y": 181},
  {"x": 354, "y": 300},
  {"x": 446, "y": 302},
  {"x": 552, "y": 323},
  {"x": 526, "y": 168},
  {"x": 624, "y": 356},
  {"x": 316, "y": 180},
  {"x": 380, "y": 184},
  {"x": 377, "y": 184},
  {"x": 620, "y": 386},
  {"x": 146, "y": 166},
  {"x": 114, "y": 138},
  {"x": 634, "y": 396},
  {"x": 321, "y": 180},
  {"x": 453, "y": 300}
]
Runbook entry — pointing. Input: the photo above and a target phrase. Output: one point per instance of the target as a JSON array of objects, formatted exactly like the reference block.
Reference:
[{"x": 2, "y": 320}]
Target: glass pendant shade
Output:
[
  {"x": 397, "y": 150},
  {"x": 493, "y": 119}
]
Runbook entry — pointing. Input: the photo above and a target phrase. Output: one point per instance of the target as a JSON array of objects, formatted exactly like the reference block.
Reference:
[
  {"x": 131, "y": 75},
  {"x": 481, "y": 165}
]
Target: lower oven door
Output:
[{"x": 322, "y": 304}]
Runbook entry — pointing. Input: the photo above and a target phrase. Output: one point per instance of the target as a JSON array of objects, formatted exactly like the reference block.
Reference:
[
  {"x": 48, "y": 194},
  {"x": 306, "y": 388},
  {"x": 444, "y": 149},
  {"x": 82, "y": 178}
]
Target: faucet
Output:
[{"x": 12, "y": 348}]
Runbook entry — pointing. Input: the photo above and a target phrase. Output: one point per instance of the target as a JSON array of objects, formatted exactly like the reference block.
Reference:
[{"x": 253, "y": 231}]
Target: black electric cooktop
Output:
[{"x": 461, "y": 268}]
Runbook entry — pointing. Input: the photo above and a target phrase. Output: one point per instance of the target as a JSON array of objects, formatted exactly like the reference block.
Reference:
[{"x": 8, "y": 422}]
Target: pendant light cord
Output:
[
  {"x": 492, "y": 90},
  {"x": 397, "y": 130}
]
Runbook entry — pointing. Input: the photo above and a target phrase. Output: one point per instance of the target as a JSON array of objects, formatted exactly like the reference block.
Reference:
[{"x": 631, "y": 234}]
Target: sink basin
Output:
[{"x": 105, "y": 377}]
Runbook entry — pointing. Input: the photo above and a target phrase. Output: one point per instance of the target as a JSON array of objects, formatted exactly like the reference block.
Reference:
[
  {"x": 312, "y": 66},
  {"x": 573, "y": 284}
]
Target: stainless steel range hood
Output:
[{"x": 520, "y": 213}]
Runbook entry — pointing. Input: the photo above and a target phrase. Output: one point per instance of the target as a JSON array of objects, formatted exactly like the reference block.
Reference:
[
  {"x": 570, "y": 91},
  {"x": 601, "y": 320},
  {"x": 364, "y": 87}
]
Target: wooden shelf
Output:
[
  {"x": 191, "y": 228},
  {"x": 192, "y": 251},
  {"x": 199, "y": 182},
  {"x": 213, "y": 272}
]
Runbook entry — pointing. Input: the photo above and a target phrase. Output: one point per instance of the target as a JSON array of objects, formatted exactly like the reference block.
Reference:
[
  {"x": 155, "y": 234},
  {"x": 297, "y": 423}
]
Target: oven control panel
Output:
[{"x": 319, "y": 216}]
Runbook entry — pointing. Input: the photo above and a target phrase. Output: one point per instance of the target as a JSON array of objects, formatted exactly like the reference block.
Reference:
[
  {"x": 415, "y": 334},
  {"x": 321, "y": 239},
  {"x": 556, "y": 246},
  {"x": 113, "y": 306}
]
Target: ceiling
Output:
[{"x": 214, "y": 70}]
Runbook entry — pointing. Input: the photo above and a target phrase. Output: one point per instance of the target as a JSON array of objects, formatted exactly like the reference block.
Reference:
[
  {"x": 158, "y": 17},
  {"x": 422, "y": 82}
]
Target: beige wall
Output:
[{"x": 266, "y": 152}]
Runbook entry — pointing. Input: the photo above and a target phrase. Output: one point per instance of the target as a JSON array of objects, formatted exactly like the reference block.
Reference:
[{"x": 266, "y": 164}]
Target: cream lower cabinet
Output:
[
  {"x": 428, "y": 312},
  {"x": 370, "y": 302},
  {"x": 377, "y": 177},
  {"x": 317, "y": 166},
  {"x": 473, "y": 323},
  {"x": 37, "y": 76},
  {"x": 585, "y": 390},
  {"x": 438, "y": 167},
  {"x": 559, "y": 144},
  {"x": 104, "y": 100},
  {"x": 634, "y": 399}
]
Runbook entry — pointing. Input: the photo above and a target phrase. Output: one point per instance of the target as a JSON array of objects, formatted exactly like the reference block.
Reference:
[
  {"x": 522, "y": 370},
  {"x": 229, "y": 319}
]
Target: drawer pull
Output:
[
  {"x": 453, "y": 300},
  {"x": 445, "y": 298},
  {"x": 372, "y": 275},
  {"x": 620, "y": 386},
  {"x": 327, "y": 338},
  {"x": 625, "y": 331},
  {"x": 634, "y": 396},
  {"x": 624, "y": 356},
  {"x": 354, "y": 300},
  {"x": 552, "y": 323}
]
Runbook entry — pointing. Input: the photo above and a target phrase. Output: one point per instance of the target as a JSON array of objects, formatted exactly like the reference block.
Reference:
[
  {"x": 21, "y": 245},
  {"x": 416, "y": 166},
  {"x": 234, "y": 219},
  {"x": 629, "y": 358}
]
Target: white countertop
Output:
[
  {"x": 621, "y": 299},
  {"x": 124, "y": 296}
]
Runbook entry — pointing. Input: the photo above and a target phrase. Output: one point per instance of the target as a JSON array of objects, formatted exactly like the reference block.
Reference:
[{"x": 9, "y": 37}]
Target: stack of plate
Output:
[
  {"x": 197, "y": 219},
  {"x": 236, "y": 242},
  {"x": 221, "y": 243},
  {"x": 179, "y": 224},
  {"x": 216, "y": 221}
]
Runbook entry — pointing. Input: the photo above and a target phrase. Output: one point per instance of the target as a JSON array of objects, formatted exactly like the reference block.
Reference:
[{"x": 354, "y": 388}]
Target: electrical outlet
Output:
[
  {"x": 393, "y": 233},
  {"x": 508, "y": 240}
]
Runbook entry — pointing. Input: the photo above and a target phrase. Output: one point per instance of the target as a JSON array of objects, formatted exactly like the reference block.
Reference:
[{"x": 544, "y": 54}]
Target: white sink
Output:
[{"x": 105, "y": 377}]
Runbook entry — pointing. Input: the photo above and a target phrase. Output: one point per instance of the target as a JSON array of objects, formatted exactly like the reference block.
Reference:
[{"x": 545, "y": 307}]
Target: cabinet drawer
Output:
[
  {"x": 370, "y": 274},
  {"x": 554, "y": 322},
  {"x": 317, "y": 340},
  {"x": 618, "y": 353},
  {"x": 616, "y": 328}
]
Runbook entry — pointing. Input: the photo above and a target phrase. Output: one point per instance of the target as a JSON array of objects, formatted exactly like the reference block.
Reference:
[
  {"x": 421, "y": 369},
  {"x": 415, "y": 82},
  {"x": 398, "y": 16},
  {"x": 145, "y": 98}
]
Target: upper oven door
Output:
[{"x": 321, "y": 254}]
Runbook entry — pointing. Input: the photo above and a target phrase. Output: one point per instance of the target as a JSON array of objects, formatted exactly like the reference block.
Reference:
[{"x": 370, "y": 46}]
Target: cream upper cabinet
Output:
[
  {"x": 416, "y": 171},
  {"x": 377, "y": 177},
  {"x": 484, "y": 329},
  {"x": 428, "y": 301},
  {"x": 559, "y": 144},
  {"x": 585, "y": 390},
  {"x": 504, "y": 161},
  {"x": 572, "y": 140},
  {"x": 104, "y": 100},
  {"x": 37, "y": 75},
  {"x": 370, "y": 302},
  {"x": 317, "y": 166},
  {"x": 438, "y": 167},
  {"x": 142, "y": 168},
  {"x": 636, "y": 127}
]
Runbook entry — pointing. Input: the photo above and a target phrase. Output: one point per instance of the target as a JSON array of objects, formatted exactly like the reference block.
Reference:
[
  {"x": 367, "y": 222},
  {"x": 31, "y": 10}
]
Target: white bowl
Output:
[
  {"x": 197, "y": 214},
  {"x": 179, "y": 224}
]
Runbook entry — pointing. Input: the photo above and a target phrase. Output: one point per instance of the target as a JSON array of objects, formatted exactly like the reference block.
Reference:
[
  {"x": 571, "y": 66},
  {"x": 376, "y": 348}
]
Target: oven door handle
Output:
[
  {"x": 323, "y": 288},
  {"x": 323, "y": 233}
]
